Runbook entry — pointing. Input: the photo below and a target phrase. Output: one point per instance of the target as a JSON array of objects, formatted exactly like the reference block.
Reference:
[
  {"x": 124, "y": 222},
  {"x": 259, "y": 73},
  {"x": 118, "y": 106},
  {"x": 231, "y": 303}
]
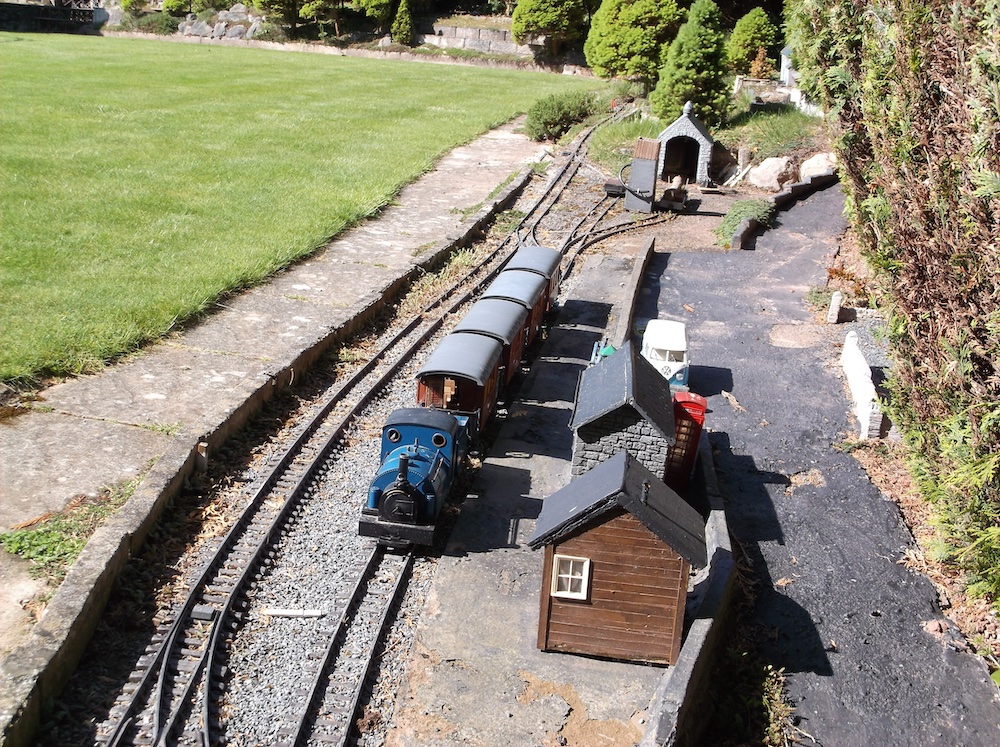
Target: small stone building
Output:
[
  {"x": 619, "y": 546},
  {"x": 687, "y": 149},
  {"x": 622, "y": 402}
]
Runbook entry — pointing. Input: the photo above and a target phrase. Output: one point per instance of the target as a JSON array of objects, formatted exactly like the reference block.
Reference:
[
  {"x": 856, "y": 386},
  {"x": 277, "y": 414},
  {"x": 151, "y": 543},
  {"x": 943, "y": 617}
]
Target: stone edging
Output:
[
  {"x": 34, "y": 673},
  {"x": 676, "y": 712},
  {"x": 781, "y": 201},
  {"x": 624, "y": 329}
]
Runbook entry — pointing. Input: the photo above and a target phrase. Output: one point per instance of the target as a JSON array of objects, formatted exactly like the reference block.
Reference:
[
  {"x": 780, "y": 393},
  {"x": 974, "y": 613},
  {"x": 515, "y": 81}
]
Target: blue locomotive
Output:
[{"x": 423, "y": 447}]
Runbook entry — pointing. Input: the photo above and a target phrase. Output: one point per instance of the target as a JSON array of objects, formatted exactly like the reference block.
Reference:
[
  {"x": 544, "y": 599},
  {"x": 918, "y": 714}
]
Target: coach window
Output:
[{"x": 570, "y": 577}]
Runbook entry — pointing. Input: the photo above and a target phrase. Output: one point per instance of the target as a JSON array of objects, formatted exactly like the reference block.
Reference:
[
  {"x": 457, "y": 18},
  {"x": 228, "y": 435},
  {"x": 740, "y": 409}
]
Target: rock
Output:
[
  {"x": 253, "y": 30},
  {"x": 232, "y": 16},
  {"x": 220, "y": 30},
  {"x": 772, "y": 174},
  {"x": 773, "y": 97},
  {"x": 199, "y": 28},
  {"x": 236, "y": 32},
  {"x": 238, "y": 8},
  {"x": 820, "y": 164}
]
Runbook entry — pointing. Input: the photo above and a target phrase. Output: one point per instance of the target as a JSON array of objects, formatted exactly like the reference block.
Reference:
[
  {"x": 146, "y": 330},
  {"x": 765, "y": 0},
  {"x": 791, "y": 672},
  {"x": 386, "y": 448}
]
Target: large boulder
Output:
[
  {"x": 821, "y": 164},
  {"x": 772, "y": 174},
  {"x": 198, "y": 28}
]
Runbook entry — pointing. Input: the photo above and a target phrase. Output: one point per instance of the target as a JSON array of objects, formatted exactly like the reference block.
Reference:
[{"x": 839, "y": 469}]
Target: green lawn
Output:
[{"x": 139, "y": 180}]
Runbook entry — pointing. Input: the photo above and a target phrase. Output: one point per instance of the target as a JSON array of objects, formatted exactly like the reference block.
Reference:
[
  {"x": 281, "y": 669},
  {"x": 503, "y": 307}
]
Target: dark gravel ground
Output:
[{"x": 850, "y": 625}]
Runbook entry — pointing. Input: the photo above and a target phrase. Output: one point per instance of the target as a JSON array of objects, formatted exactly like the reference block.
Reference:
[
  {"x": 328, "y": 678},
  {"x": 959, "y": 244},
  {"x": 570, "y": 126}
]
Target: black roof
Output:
[
  {"x": 496, "y": 317},
  {"x": 517, "y": 285},
  {"x": 535, "y": 258},
  {"x": 625, "y": 378},
  {"x": 623, "y": 481},
  {"x": 463, "y": 355}
]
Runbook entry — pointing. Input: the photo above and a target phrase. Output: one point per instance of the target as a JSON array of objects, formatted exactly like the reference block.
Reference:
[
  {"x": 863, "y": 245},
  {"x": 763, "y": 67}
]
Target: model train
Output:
[{"x": 424, "y": 447}]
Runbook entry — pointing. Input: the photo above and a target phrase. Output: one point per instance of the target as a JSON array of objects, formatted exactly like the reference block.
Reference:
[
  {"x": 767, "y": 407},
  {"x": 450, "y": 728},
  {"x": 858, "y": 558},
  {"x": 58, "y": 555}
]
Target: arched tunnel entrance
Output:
[{"x": 680, "y": 158}]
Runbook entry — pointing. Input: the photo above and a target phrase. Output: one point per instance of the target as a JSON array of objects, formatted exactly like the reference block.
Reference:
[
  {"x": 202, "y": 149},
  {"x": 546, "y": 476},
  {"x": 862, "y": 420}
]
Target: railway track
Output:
[{"x": 177, "y": 692}]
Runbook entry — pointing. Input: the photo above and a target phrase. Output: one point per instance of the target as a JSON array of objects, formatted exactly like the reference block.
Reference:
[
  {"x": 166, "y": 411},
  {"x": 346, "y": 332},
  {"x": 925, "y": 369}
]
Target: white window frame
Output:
[{"x": 581, "y": 572}]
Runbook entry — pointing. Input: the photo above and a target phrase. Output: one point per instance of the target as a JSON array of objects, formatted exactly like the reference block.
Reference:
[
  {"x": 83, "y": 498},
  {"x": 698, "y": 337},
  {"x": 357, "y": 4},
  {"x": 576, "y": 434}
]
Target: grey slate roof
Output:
[
  {"x": 464, "y": 355},
  {"x": 517, "y": 285},
  {"x": 495, "y": 317},
  {"x": 625, "y": 378},
  {"x": 539, "y": 259},
  {"x": 686, "y": 125},
  {"x": 622, "y": 481}
]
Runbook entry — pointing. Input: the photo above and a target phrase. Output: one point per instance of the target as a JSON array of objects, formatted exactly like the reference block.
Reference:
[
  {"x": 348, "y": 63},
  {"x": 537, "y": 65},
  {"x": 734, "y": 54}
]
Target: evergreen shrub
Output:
[
  {"x": 177, "y": 8},
  {"x": 759, "y": 210},
  {"x": 695, "y": 70},
  {"x": 552, "y": 116},
  {"x": 158, "y": 23},
  {"x": 402, "y": 26}
]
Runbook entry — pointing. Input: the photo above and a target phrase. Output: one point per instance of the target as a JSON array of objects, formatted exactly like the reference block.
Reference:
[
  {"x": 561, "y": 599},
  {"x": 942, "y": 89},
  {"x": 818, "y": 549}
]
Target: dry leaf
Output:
[{"x": 733, "y": 401}]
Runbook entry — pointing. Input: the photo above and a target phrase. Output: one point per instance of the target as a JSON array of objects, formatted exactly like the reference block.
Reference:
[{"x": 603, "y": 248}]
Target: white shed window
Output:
[{"x": 570, "y": 577}]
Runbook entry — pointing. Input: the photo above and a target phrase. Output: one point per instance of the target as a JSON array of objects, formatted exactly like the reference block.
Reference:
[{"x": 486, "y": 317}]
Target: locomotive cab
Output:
[{"x": 421, "y": 452}]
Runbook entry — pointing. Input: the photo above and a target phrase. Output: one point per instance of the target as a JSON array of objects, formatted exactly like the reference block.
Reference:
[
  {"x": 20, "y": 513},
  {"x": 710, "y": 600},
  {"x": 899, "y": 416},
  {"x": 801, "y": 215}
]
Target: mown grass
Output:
[{"x": 142, "y": 180}]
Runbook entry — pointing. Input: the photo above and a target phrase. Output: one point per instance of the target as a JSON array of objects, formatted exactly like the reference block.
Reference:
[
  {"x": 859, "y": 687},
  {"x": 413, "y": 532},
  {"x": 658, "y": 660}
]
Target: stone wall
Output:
[
  {"x": 491, "y": 41},
  {"x": 236, "y": 23},
  {"x": 624, "y": 428}
]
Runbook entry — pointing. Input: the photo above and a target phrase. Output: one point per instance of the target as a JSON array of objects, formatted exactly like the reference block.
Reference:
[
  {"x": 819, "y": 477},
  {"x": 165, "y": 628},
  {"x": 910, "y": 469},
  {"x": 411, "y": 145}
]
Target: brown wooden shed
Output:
[{"x": 619, "y": 545}]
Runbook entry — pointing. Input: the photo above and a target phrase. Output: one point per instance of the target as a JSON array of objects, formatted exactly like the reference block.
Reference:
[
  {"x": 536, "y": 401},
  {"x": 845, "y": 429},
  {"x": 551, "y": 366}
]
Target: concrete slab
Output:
[
  {"x": 47, "y": 459},
  {"x": 169, "y": 387}
]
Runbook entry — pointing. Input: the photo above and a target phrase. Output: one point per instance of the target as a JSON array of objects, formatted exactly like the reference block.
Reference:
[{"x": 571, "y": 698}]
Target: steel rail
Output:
[{"x": 162, "y": 731}]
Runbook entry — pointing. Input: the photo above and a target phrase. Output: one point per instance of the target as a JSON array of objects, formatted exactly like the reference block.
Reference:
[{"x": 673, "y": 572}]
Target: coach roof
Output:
[
  {"x": 538, "y": 259},
  {"x": 463, "y": 355},
  {"x": 517, "y": 285},
  {"x": 495, "y": 317}
]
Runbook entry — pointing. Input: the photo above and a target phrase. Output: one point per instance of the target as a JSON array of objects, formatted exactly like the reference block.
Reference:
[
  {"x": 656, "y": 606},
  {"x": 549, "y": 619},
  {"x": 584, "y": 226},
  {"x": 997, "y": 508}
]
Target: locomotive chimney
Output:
[{"x": 404, "y": 468}]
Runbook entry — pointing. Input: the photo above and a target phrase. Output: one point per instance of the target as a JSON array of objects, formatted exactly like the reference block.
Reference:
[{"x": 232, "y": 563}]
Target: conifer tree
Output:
[
  {"x": 752, "y": 31},
  {"x": 630, "y": 38},
  {"x": 378, "y": 10},
  {"x": 559, "y": 20},
  {"x": 402, "y": 26},
  {"x": 696, "y": 68}
]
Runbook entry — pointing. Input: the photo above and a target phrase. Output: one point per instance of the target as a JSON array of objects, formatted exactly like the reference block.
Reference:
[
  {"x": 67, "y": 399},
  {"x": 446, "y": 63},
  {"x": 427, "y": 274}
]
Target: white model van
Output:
[{"x": 664, "y": 344}]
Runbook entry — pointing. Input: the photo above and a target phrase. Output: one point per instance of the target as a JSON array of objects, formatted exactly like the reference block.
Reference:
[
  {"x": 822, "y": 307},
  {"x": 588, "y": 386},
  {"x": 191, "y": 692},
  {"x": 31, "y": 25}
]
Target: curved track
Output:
[{"x": 173, "y": 696}]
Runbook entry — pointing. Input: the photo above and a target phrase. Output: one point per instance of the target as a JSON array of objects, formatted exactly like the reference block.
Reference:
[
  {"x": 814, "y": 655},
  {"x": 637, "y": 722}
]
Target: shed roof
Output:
[
  {"x": 623, "y": 481},
  {"x": 464, "y": 355},
  {"x": 625, "y": 378},
  {"x": 495, "y": 317},
  {"x": 517, "y": 285},
  {"x": 534, "y": 258},
  {"x": 686, "y": 125}
]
